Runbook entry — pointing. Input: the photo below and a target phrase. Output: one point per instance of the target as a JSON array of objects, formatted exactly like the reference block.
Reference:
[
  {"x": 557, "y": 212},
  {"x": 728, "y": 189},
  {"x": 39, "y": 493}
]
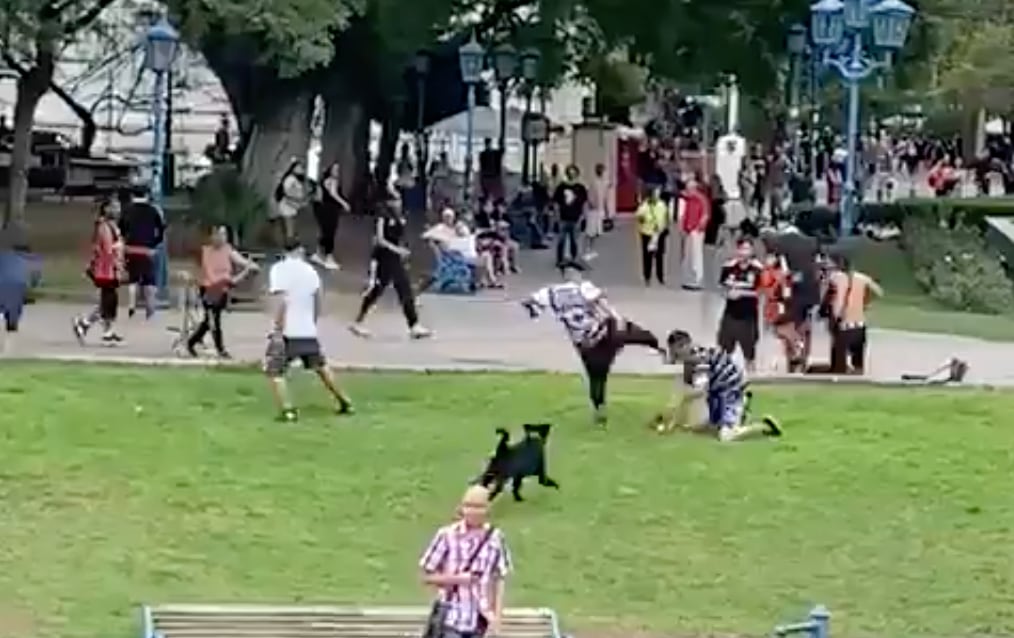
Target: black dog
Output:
[{"x": 516, "y": 462}]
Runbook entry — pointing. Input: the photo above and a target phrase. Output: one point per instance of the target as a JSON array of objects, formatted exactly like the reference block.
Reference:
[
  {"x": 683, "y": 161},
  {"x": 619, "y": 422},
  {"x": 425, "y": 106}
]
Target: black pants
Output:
[
  {"x": 656, "y": 258},
  {"x": 567, "y": 239},
  {"x": 390, "y": 271},
  {"x": 327, "y": 226},
  {"x": 734, "y": 331},
  {"x": 598, "y": 358},
  {"x": 848, "y": 349},
  {"x": 109, "y": 301},
  {"x": 212, "y": 321}
]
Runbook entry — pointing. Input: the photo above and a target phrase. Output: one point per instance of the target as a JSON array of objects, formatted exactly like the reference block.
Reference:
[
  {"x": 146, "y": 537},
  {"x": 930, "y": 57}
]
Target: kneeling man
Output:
[{"x": 711, "y": 373}]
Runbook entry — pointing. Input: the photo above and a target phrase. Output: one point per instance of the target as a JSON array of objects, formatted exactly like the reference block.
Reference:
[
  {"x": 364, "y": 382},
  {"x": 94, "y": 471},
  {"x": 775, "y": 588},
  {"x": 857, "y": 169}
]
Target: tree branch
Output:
[{"x": 83, "y": 20}]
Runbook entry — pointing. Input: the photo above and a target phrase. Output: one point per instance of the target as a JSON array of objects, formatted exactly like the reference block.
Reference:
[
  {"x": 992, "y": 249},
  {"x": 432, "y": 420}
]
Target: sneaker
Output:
[
  {"x": 773, "y": 427},
  {"x": 419, "y": 332},
  {"x": 359, "y": 330},
  {"x": 80, "y": 329},
  {"x": 192, "y": 350},
  {"x": 331, "y": 264},
  {"x": 112, "y": 338},
  {"x": 224, "y": 355},
  {"x": 288, "y": 415},
  {"x": 131, "y": 312},
  {"x": 590, "y": 255},
  {"x": 318, "y": 259},
  {"x": 600, "y": 418}
]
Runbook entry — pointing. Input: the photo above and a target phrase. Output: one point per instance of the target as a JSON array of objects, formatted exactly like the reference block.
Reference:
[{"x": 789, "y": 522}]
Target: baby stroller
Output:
[{"x": 189, "y": 319}]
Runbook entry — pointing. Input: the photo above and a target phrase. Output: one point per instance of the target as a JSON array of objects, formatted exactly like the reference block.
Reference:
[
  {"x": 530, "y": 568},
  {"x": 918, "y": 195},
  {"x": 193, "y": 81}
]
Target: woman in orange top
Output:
[
  {"x": 773, "y": 287},
  {"x": 219, "y": 261},
  {"x": 106, "y": 270}
]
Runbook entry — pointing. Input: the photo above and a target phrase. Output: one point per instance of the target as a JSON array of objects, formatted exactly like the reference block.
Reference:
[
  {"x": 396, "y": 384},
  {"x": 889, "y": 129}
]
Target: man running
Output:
[
  {"x": 711, "y": 373},
  {"x": 597, "y": 331}
]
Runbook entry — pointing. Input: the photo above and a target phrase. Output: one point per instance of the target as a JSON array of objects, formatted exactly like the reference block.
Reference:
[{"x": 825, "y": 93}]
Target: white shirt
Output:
[
  {"x": 464, "y": 244},
  {"x": 298, "y": 284},
  {"x": 574, "y": 306}
]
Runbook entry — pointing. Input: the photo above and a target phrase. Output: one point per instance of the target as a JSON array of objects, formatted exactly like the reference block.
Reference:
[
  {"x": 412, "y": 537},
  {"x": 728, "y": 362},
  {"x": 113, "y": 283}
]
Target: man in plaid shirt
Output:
[{"x": 473, "y": 593}]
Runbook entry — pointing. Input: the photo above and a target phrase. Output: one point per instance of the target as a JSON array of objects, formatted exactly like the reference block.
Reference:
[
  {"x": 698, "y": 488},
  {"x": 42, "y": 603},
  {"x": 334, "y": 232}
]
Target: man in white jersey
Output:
[
  {"x": 597, "y": 331},
  {"x": 295, "y": 289}
]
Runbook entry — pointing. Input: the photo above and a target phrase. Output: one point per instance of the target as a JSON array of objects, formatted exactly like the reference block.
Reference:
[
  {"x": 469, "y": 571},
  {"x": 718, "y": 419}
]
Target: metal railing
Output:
[{"x": 816, "y": 625}]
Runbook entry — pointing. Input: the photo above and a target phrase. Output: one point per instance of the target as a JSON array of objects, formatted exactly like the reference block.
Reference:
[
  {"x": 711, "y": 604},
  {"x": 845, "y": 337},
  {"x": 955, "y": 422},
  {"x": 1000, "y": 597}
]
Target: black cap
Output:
[{"x": 679, "y": 338}]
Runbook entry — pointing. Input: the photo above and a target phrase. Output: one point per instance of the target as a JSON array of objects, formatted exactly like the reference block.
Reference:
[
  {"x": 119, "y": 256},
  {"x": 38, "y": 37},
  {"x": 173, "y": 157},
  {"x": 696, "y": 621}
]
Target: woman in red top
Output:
[
  {"x": 696, "y": 210},
  {"x": 106, "y": 270}
]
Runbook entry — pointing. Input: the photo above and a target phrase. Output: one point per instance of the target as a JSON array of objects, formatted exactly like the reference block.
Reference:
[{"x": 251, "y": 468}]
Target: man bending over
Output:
[
  {"x": 597, "y": 331},
  {"x": 711, "y": 373}
]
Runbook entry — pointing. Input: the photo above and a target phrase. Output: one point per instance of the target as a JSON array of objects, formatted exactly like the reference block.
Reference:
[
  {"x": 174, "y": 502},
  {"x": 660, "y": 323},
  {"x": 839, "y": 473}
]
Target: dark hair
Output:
[
  {"x": 679, "y": 339},
  {"x": 280, "y": 187},
  {"x": 571, "y": 264},
  {"x": 292, "y": 244}
]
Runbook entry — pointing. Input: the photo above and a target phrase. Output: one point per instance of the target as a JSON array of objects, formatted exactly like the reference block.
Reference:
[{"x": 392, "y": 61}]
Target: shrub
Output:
[
  {"x": 222, "y": 197},
  {"x": 956, "y": 267},
  {"x": 971, "y": 211}
]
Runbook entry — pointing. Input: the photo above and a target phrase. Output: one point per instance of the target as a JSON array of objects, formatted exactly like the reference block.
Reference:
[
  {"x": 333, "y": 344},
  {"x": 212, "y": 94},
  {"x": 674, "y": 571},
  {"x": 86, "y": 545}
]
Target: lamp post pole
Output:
[
  {"x": 422, "y": 67},
  {"x": 529, "y": 71},
  {"x": 814, "y": 110},
  {"x": 838, "y": 28},
  {"x": 797, "y": 47},
  {"x": 160, "y": 52},
  {"x": 470, "y": 57}
]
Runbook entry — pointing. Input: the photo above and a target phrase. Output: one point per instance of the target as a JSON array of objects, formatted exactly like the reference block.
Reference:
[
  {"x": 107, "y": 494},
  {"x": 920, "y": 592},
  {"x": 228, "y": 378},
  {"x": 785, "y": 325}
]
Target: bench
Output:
[{"x": 319, "y": 621}]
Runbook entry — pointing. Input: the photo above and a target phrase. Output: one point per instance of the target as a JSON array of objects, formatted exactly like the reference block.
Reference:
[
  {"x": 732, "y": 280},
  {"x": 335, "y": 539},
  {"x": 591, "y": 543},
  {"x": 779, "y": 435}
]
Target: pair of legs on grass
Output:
[
  {"x": 726, "y": 417},
  {"x": 598, "y": 357},
  {"x": 281, "y": 352}
]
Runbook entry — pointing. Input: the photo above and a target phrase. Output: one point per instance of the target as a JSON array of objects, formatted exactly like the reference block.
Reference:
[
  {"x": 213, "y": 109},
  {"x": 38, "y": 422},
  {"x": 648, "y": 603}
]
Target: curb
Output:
[{"x": 240, "y": 364}]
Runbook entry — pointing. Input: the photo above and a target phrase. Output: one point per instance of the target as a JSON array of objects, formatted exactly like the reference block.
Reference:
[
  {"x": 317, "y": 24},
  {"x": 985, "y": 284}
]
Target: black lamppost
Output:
[
  {"x": 796, "y": 44},
  {"x": 422, "y": 69},
  {"x": 505, "y": 66},
  {"x": 529, "y": 71}
]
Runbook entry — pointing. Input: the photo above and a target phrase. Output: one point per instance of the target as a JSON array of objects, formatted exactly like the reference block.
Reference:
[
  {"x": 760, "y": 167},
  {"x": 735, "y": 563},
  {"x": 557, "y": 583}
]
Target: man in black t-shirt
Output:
[
  {"x": 571, "y": 199},
  {"x": 740, "y": 278}
]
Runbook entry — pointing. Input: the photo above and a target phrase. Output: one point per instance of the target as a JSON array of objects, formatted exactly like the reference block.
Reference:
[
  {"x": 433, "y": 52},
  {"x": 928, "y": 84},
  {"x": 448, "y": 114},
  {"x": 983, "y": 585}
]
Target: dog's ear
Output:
[{"x": 539, "y": 429}]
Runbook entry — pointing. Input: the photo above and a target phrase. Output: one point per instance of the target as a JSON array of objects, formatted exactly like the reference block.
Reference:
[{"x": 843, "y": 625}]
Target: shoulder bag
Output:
[{"x": 438, "y": 612}]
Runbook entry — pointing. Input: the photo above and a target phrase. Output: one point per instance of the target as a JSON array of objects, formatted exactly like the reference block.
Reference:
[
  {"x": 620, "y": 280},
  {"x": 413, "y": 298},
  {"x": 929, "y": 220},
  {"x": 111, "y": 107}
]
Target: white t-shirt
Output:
[
  {"x": 298, "y": 283},
  {"x": 464, "y": 244},
  {"x": 574, "y": 306}
]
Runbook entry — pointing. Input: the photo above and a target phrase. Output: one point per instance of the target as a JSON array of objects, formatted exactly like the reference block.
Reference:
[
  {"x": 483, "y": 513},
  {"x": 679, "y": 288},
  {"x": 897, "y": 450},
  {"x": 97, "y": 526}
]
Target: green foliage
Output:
[
  {"x": 971, "y": 212},
  {"x": 956, "y": 268},
  {"x": 222, "y": 197}
]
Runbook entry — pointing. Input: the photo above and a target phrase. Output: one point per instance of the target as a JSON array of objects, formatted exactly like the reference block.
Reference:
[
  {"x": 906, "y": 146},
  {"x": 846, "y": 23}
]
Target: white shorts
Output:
[
  {"x": 282, "y": 210},
  {"x": 593, "y": 223}
]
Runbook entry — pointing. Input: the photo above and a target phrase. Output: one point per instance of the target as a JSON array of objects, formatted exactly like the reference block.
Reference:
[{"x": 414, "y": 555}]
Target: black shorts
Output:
[
  {"x": 733, "y": 331},
  {"x": 281, "y": 353},
  {"x": 140, "y": 269}
]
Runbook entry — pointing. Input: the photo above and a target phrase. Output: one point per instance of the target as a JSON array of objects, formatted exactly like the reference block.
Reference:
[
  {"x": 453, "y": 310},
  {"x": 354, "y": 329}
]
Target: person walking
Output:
[
  {"x": 296, "y": 302},
  {"x": 852, "y": 290},
  {"x": 571, "y": 200},
  {"x": 388, "y": 268},
  {"x": 106, "y": 270},
  {"x": 291, "y": 194},
  {"x": 467, "y": 562},
  {"x": 219, "y": 263},
  {"x": 143, "y": 229},
  {"x": 327, "y": 211},
  {"x": 653, "y": 225},
  {"x": 598, "y": 209},
  {"x": 695, "y": 211}
]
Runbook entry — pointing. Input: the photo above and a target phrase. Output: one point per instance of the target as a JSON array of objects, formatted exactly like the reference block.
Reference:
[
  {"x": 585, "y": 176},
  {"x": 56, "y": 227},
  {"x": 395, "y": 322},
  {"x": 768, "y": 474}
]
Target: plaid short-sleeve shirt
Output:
[{"x": 448, "y": 552}]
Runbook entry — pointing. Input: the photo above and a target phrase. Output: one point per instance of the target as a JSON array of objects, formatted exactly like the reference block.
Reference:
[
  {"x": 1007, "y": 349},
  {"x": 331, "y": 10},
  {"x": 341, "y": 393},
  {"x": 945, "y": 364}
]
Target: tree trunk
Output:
[
  {"x": 31, "y": 86},
  {"x": 385, "y": 154},
  {"x": 346, "y": 141},
  {"x": 280, "y": 133}
]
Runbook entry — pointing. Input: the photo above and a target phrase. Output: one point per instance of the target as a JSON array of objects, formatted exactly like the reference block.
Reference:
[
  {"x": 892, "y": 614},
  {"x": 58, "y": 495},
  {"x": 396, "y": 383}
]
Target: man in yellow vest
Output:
[{"x": 653, "y": 220}]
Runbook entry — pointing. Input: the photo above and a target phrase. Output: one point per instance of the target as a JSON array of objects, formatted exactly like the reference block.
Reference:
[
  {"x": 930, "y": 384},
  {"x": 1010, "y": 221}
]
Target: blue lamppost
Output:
[
  {"x": 839, "y": 29},
  {"x": 796, "y": 44},
  {"x": 161, "y": 45},
  {"x": 470, "y": 56}
]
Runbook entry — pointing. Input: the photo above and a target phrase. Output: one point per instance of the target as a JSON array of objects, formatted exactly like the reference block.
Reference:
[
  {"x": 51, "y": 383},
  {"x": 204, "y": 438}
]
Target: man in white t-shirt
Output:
[
  {"x": 597, "y": 331},
  {"x": 295, "y": 289}
]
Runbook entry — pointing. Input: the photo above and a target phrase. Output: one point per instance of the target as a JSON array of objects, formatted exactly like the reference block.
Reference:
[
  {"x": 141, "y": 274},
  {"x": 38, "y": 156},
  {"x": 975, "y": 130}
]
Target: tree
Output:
[{"x": 33, "y": 49}]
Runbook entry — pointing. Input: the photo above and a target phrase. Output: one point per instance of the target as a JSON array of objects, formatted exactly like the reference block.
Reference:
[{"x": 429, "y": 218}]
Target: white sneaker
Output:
[
  {"x": 419, "y": 332},
  {"x": 318, "y": 259},
  {"x": 359, "y": 330},
  {"x": 331, "y": 264}
]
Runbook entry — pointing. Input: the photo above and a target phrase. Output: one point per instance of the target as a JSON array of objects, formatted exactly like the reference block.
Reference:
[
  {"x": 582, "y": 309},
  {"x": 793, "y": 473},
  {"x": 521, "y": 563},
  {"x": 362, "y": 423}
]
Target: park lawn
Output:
[
  {"x": 906, "y": 306},
  {"x": 122, "y": 486}
]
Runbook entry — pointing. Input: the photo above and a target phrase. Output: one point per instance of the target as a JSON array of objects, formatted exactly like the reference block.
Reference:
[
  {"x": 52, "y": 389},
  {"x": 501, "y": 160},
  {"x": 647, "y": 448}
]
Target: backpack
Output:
[{"x": 280, "y": 189}]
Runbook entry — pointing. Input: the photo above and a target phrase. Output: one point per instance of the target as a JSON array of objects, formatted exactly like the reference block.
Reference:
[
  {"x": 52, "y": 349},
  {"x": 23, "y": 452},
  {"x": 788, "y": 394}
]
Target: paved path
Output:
[{"x": 490, "y": 331}]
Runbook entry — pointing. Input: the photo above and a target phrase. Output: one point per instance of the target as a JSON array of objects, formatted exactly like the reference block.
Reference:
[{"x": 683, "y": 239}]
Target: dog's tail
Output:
[{"x": 505, "y": 436}]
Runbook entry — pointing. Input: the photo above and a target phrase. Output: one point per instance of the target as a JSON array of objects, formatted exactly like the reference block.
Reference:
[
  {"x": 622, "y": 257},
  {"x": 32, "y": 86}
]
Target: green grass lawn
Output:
[
  {"x": 121, "y": 486},
  {"x": 906, "y": 306}
]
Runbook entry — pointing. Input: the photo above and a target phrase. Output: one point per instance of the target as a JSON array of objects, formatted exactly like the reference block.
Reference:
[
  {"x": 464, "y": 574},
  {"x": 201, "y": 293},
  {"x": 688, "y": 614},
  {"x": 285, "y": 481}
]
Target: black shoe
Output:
[
  {"x": 774, "y": 429},
  {"x": 346, "y": 409},
  {"x": 131, "y": 313},
  {"x": 288, "y": 415},
  {"x": 224, "y": 355},
  {"x": 192, "y": 350}
]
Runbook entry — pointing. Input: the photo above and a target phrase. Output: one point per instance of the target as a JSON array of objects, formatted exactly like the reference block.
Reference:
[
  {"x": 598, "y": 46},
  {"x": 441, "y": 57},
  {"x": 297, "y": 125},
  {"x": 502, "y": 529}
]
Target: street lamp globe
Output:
[
  {"x": 891, "y": 20},
  {"x": 856, "y": 14},
  {"x": 470, "y": 58},
  {"x": 160, "y": 46},
  {"x": 421, "y": 62},
  {"x": 530, "y": 64},
  {"x": 796, "y": 41},
  {"x": 505, "y": 62},
  {"x": 827, "y": 23}
]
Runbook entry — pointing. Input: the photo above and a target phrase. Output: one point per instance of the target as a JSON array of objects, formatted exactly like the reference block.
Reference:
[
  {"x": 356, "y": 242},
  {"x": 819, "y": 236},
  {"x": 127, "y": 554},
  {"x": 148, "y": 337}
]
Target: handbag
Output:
[{"x": 438, "y": 612}]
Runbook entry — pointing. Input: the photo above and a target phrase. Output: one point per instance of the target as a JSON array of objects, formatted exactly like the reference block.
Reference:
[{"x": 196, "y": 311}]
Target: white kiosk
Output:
[{"x": 730, "y": 149}]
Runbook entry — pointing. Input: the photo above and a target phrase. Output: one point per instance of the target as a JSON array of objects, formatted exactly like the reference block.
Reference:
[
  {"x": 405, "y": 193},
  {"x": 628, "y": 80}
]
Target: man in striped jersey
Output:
[
  {"x": 597, "y": 331},
  {"x": 711, "y": 373}
]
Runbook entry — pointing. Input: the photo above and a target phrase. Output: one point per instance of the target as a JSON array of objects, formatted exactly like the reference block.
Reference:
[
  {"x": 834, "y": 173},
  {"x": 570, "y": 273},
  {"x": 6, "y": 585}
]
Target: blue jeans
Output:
[{"x": 568, "y": 235}]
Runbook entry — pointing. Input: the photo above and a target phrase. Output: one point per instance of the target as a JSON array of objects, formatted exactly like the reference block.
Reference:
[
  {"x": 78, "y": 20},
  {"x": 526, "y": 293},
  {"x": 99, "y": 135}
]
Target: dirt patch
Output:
[{"x": 17, "y": 623}]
